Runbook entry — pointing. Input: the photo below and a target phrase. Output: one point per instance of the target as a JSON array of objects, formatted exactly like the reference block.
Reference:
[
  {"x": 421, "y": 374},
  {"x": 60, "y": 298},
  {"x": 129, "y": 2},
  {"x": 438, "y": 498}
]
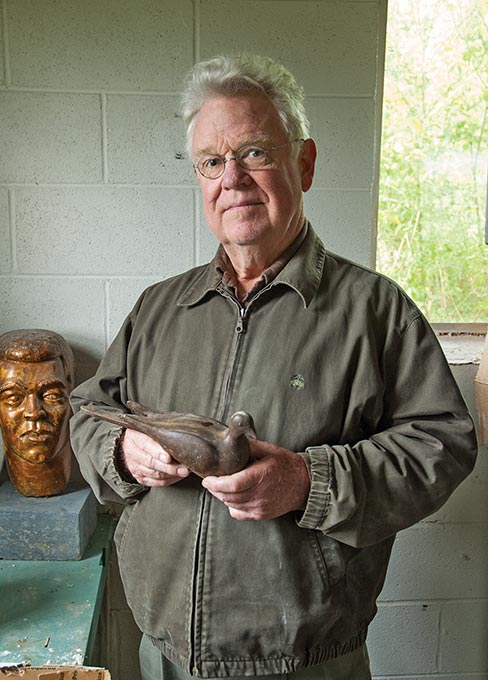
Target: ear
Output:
[{"x": 307, "y": 163}]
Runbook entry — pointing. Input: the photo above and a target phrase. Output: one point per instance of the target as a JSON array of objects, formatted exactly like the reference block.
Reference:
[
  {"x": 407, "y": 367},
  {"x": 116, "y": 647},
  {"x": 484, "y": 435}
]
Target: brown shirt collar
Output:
[{"x": 224, "y": 267}]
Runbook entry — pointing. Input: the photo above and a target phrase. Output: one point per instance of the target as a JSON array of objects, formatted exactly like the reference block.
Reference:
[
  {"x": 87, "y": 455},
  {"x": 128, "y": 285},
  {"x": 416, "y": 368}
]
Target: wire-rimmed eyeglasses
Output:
[{"x": 248, "y": 157}]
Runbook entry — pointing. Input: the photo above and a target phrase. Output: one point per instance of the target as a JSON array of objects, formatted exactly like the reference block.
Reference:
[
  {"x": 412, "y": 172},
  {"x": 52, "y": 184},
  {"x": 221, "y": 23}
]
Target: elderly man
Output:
[{"x": 273, "y": 570}]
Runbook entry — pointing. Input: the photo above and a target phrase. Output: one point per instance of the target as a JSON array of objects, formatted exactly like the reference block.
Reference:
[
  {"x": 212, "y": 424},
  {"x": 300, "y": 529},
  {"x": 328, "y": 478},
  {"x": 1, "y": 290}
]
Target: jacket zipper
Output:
[
  {"x": 239, "y": 330},
  {"x": 195, "y": 589}
]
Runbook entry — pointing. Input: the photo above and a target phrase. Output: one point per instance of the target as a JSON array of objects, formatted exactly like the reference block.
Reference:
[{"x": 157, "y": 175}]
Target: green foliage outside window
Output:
[{"x": 434, "y": 157}]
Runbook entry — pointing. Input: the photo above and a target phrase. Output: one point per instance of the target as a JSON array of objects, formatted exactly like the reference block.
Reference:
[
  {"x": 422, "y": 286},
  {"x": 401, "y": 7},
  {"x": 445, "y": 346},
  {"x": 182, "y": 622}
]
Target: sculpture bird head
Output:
[{"x": 241, "y": 423}]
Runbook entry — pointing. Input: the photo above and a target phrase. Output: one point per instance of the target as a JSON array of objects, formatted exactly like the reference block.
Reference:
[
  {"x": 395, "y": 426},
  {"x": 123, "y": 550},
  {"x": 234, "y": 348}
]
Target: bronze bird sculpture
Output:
[{"x": 206, "y": 446}]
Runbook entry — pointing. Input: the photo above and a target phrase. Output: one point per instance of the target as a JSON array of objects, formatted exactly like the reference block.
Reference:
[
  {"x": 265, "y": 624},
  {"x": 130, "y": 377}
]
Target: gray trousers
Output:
[{"x": 353, "y": 666}]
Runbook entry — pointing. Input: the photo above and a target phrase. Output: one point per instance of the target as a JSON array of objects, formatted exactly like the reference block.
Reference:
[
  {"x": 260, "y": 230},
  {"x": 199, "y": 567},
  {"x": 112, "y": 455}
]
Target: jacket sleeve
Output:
[
  {"x": 424, "y": 447},
  {"x": 93, "y": 441}
]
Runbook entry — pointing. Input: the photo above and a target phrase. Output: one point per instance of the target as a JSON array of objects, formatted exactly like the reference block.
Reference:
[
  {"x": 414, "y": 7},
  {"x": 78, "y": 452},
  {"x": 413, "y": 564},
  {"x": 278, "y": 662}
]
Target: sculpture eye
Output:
[
  {"x": 12, "y": 398},
  {"x": 54, "y": 396}
]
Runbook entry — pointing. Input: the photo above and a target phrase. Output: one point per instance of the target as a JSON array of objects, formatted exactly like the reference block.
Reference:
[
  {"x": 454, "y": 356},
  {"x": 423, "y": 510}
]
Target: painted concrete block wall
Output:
[
  {"x": 97, "y": 201},
  {"x": 433, "y": 610}
]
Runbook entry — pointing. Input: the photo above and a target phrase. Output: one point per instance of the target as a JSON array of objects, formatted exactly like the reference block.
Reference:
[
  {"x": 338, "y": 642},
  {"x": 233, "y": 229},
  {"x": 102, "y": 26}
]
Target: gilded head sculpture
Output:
[{"x": 36, "y": 377}]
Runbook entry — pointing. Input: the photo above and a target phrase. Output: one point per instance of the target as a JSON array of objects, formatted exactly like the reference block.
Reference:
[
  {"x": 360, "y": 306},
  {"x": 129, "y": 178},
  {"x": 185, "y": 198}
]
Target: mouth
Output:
[
  {"x": 241, "y": 206},
  {"x": 36, "y": 437}
]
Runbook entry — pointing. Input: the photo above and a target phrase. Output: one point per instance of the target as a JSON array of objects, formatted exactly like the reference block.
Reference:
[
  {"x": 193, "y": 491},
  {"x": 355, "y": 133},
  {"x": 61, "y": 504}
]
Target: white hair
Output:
[{"x": 228, "y": 76}]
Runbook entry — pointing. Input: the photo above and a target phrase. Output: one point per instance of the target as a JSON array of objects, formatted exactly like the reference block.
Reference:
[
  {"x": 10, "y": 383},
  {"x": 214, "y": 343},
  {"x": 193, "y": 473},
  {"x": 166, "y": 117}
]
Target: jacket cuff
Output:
[
  {"x": 112, "y": 471},
  {"x": 318, "y": 504}
]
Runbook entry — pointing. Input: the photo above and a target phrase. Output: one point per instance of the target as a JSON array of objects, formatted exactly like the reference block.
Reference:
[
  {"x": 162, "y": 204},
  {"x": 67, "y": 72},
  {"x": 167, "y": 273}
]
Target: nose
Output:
[
  {"x": 234, "y": 175},
  {"x": 34, "y": 408}
]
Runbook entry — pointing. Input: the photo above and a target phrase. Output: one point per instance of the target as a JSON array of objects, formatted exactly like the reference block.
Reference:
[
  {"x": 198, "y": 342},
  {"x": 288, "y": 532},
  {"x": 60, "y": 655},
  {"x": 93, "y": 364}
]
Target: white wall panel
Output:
[
  {"x": 50, "y": 137},
  {"x": 342, "y": 220},
  {"x": 104, "y": 230},
  {"x": 5, "y": 249},
  {"x": 320, "y": 42},
  {"x": 109, "y": 45},
  {"x": 73, "y": 307},
  {"x": 403, "y": 638},
  {"x": 146, "y": 141}
]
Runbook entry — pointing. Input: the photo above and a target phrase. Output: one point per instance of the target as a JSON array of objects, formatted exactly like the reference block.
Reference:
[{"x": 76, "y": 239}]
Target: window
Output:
[{"x": 434, "y": 152}]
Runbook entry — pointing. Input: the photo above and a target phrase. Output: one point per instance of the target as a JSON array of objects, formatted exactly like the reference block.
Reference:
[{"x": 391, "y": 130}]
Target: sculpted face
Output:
[{"x": 34, "y": 409}]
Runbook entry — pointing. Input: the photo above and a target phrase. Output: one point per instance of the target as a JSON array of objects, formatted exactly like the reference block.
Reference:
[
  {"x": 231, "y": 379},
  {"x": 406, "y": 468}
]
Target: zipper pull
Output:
[{"x": 241, "y": 321}]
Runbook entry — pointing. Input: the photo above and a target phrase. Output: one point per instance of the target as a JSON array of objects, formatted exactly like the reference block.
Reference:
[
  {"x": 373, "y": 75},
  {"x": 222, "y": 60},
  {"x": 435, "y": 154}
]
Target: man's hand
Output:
[
  {"x": 274, "y": 484},
  {"x": 148, "y": 462}
]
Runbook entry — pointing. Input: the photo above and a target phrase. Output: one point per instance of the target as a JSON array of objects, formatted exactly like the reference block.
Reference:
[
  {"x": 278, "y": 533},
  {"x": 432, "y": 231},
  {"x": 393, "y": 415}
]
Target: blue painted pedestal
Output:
[{"x": 54, "y": 528}]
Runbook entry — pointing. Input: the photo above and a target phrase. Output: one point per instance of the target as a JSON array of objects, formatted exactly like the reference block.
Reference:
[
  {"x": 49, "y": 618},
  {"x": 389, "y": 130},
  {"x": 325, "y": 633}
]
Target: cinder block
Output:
[
  {"x": 146, "y": 141},
  {"x": 3, "y": 79},
  {"x": 463, "y": 645},
  {"x": 403, "y": 639},
  {"x": 339, "y": 218},
  {"x": 124, "y": 231},
  {"x": 101, "y": 45},
  {"x": 73, "y": 307},
  {"x": 49, "y": 137},
  {"x": 5, "y": 250},
  {"x": 206, "y": 242},
  {"x": 469, "y": 502},
  {"x": 53, "y": 528},
  {"x": 339, "y": 125},
  {"x": 464, "y": 375},
  {"x": 342, "y": 59},
  {"x": 438, "y": 562}
]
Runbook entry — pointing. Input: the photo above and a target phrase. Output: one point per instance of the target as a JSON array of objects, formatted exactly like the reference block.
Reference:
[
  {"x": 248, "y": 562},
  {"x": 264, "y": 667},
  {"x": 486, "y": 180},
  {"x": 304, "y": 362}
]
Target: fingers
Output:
[
  {"x": 234, "y": 484},
  {"x": 242, "y": 491},
  {"x": 148, "y": 462},
  {"x": 277, "y": 482}
]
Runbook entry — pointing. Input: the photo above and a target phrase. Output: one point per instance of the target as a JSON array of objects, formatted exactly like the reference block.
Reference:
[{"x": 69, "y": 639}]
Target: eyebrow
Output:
[
  {"x": 47, "y": 383},
  {"x": 53, "y": 383},
  {"x": 10, "y": 385},
  {"x": 262, "y": 142}
]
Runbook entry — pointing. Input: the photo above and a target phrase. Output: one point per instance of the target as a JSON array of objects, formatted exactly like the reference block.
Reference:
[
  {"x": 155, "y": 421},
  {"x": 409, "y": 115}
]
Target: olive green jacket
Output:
[{"x": 330, "y": 359}]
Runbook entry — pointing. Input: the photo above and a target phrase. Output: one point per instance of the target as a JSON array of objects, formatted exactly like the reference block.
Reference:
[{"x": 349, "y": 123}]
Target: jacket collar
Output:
[{"x": 302, "y": 273}]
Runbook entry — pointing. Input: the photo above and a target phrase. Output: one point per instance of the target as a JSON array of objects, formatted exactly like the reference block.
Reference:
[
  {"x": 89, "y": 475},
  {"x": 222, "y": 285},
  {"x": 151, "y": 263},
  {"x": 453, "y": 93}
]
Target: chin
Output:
[
  {"x": 38, "y": 454},
  {"x": 245, "y": 234}
]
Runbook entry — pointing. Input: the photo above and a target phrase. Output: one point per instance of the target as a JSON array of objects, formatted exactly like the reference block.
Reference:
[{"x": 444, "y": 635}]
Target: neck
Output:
[
  {"x": 250, "y": 261},
  {"x": 248, "y": 271}
]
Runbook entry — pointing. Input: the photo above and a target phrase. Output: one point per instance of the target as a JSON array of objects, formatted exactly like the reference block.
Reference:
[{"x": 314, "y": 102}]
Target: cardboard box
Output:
[
  {"x": 53, "y": 673},
  {"x": 482, "y": 396}
]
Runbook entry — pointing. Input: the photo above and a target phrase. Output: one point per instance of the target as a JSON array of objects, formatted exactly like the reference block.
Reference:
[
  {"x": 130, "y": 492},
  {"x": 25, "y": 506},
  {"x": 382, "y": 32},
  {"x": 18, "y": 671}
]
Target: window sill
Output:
[{"x": 462, "y": 343}]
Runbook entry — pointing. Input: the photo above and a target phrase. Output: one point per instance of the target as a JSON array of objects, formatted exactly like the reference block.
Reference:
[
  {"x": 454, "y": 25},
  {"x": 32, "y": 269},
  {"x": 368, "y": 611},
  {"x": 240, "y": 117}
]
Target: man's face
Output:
[
  {"x": 261, "y": 208},
  {"x": 34, "y": 409}
]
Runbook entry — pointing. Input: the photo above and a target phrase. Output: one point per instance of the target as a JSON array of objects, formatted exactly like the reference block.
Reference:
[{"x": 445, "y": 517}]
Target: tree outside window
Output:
[{"x": 431, "y": 222}]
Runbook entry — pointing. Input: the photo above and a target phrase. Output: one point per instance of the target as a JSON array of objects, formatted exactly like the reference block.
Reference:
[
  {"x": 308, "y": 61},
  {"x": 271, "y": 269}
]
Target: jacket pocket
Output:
[
  {"x": 329, "y": 557},
  {"x": 120, "y": 535}
]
